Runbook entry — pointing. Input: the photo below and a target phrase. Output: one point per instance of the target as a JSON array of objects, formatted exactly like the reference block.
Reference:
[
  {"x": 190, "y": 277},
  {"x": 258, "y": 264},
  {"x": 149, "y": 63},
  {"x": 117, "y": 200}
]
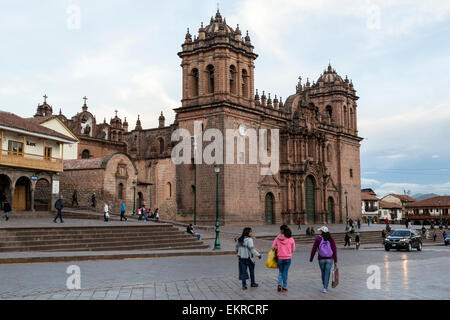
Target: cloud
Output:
[{"x": 370, "y": 182}]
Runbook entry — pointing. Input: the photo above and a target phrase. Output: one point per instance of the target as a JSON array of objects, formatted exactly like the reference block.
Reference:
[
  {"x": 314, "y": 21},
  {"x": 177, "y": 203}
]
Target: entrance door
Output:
[
  {"x": 310, "y": 199},
  {"x": 330, "y": 210},
  {"x": 20, "y": 198},
  {"x": 269, "y": 209}
]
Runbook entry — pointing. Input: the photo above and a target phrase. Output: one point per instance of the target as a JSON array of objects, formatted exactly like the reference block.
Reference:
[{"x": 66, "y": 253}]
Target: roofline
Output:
[
  {"x": 35, "y": 134},
  {"x": 62, "y": 123}
]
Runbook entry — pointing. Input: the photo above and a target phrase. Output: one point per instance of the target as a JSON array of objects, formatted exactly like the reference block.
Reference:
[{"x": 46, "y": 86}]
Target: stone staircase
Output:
[{"x": 108, "y": 238}]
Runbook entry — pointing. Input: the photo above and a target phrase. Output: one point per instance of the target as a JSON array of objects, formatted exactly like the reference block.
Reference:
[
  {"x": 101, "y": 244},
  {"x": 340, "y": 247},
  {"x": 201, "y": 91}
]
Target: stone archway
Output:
[
  {"x": 42, "y": 195},
  {"x": 310, "y": 199},
  {"x": 269, "y": 205},
  {"x": 22, "y": 194},
  {"x": 5, "y": 189}
]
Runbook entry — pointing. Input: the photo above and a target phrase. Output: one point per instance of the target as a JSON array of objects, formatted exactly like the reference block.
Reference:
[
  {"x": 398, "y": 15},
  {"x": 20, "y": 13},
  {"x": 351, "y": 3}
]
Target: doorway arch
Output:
[
  {"x": 269, "y": 208},
  {"x": 140, "y": 200},
  {"x": 22, "y": 194},
  {"x": 42, "y": 195},
  {"x": 5, "y": 189},
  {"x": 310, "y": 197}
]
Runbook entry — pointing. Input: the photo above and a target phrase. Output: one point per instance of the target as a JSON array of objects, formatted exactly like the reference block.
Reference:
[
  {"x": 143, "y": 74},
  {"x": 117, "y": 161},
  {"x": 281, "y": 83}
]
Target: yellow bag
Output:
[{"x": 271, "y": 261}]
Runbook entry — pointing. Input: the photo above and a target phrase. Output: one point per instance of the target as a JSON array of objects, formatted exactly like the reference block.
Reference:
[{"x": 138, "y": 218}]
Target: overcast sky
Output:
[{"x": 123, "y": 55}]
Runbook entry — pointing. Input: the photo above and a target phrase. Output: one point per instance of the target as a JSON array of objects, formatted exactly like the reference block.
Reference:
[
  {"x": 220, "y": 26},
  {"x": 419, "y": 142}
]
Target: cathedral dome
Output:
[
  {"x": 330, "y": 76},
  {"x": 218, "y": 25}
]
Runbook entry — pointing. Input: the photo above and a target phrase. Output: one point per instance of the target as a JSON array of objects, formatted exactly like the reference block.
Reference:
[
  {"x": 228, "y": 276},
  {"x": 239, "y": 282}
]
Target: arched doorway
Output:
[
  {"x": 42, "y": 195},
  {"x": 22, "y": 194},
  {"x": 5, "y": 189},
  {"x": 310, "y": 196},
  {"x": 268, "y": 211},
  {"x": 330, "y": 217}
]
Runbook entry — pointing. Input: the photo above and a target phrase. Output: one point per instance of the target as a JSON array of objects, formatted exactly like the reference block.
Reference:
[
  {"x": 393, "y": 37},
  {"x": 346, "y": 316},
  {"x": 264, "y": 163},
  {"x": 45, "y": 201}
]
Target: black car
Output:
[
  {"x": 447, "y": 240},
  {"x": 403, "y": 239}
]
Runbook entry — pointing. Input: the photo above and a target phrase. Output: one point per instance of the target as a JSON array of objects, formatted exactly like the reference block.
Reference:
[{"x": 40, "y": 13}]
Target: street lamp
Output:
[
  {"x": 134, "y": 198},
  {"x": 346, "y": 212},
  {"x": 217, "y": 242},
  {"x": 195, "y": 180}
]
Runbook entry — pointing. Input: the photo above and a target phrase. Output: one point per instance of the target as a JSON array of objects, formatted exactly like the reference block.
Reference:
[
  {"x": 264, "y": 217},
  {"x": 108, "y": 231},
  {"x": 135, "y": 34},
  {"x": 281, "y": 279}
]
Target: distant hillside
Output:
[{"x": 421, "y": 196}]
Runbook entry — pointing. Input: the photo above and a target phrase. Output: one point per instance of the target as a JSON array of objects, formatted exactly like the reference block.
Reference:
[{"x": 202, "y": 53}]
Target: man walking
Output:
[
  {"x": 122, "y": 212},
  {"x": 59, "y": 205},
  {"x": 106, "y": 212},
  {"x": 299, "y": 224},
  {"x": 75, "y": 198},
  {"x": 6, "y": 209}
]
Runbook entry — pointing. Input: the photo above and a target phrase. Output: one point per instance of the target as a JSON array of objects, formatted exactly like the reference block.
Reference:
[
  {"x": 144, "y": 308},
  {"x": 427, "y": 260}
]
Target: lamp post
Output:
[
  {"x": 346, "y": 212},
  {"x": 217, "y": 242},
  {"x": 195, "y": 180}
]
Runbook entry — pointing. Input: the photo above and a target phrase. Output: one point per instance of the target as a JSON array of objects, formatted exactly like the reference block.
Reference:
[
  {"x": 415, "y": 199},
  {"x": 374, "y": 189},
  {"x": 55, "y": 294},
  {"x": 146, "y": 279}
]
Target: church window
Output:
[
  {"x": 210, "y": 71},
  {"x": 194, "y": 83},
  {"x": 232, "y": 78},
  {"x": 345, "y": 117},
  {"x": 161, "y": 145},
  {"x": 351, "y": 173},
  {"x": 120, "y": 191},
  {"x": 168, "y": 191},
  {"x": 329, "y": 111},
  {"x": 244, "y": 83},
  {"x": 85, "y": 154}
]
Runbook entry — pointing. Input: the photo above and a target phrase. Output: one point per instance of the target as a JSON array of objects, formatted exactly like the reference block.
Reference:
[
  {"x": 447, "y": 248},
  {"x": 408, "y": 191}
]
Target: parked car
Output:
[
  {"x": 447, "y": 240},
  {"x": 403, "y": 239}
]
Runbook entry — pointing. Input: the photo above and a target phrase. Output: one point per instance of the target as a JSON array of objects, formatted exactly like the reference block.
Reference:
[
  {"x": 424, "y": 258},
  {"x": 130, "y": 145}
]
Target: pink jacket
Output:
[{"x": 285, "y": 246}]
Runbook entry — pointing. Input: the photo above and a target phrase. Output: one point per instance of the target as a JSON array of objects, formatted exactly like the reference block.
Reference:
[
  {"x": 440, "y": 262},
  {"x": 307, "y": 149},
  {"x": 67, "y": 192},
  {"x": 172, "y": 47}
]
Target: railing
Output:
[
  {"x": 371, "y": 209},
  {"x": 30, "y": 161}
]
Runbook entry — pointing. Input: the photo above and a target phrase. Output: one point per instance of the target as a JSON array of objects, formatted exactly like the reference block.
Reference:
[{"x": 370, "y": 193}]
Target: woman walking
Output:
[
  {"x": 285, "y": 245},
  {"x": 327, "y": 254},
  {"x": 247, "y": 255}
]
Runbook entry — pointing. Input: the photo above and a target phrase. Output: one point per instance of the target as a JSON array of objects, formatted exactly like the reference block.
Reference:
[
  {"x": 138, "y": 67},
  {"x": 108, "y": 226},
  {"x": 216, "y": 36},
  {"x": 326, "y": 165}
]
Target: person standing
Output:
[
  {"x": 2, "y": 200},
  {"x": 156, "y": 215},
  {"x": 247, "y": 256},
  {"x": 6, "y": 209},
  {"x": 94, "y": 200},
  {"x": 357, "y": 240},
  {"x": 368, "y": 221},
  {"x": 59, "y": 205},
  {"x": 299, "y": 224},
  {"x": 75, "y": 198},
  {"x": 122, "y": 212},
  {"x": 327, "y": 255},
  {"x": 406, "y": 223},
  {"x": 285, "y": 245},
  {"x": 347, "y": 239},
  {"x": 359, "y": 223},
  {"x": 106, "y": 212}
]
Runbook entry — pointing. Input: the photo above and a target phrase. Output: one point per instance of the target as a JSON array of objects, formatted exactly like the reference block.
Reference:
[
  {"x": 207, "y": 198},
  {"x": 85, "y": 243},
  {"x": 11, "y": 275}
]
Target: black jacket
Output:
[
  {"x": 7, "y": 207},
  {"x": 59, "y": 204}
]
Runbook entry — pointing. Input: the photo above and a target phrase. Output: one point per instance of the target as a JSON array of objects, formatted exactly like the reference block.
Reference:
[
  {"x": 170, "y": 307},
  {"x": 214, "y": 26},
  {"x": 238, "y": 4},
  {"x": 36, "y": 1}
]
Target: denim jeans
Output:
[
  {"x": 325, "y": 268},
  {"x": 251, "y": 266},
  {"x": 283, "y": 267},
  {"x": 59, "y": 215}
]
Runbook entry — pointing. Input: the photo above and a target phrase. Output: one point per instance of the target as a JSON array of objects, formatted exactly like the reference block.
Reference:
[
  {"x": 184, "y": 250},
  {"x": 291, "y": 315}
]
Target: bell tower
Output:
[{"x": 218, "y": 65}]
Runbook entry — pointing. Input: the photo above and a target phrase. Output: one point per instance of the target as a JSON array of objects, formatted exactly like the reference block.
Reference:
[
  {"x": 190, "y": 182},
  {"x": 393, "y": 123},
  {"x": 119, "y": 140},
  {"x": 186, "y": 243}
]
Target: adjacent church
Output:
[{"x": 319, "y": 170}]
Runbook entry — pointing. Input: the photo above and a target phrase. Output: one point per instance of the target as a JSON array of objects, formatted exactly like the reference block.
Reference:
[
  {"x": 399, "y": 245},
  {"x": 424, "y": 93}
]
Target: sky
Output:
[{"x": 122, "y": 55}]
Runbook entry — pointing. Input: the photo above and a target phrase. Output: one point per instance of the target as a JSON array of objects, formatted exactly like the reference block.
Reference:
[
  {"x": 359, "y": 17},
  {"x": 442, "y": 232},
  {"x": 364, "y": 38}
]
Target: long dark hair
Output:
[
  {"x": 326, "y": 236},
  {"x": 286, "y": 231},
  {"x": 245, "y": 233}
]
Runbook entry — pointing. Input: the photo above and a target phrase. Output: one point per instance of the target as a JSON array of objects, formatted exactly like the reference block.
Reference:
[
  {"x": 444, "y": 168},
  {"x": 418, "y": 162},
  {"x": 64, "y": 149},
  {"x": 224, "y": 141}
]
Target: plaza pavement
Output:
[{"x": 403, "y": 275}]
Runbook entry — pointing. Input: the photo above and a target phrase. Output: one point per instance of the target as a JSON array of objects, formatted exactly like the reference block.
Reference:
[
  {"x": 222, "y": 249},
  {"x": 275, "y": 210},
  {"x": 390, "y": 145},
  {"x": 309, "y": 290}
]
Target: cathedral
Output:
[{"x": 319, "y": 149}]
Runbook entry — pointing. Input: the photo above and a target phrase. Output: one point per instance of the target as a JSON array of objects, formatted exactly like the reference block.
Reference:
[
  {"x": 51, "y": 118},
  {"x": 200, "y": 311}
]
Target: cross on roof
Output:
[
  {"x": 116, "y": 112},
  {"x": 85, "y": 99},
  {"x": 45, "y": 98}
]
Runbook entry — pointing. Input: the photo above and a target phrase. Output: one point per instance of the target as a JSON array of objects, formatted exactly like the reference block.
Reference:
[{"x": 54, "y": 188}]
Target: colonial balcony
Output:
[
  {"x": 30, "y": 161},
  {"x": 371, "y": 209}
]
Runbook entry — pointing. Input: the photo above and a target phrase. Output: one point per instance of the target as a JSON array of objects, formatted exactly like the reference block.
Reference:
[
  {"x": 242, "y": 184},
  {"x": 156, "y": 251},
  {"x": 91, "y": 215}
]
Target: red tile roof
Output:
[
  {"x": 442, "y": 201},
  {"x": 13, "y": 121},
  {"x": 389, "y": 205},
  {"x": 368, "y": 196},
  {"x": 403, "y": 197}
]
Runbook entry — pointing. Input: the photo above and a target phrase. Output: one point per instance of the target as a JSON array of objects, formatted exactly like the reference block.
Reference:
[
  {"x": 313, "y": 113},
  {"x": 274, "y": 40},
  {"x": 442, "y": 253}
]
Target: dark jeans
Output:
[
  {"x": 283, "y": 268},
  {"x": 59, "y": 215},
  {"x": 244, "y": 264},
  {"x": 122, "y": 216},
  {"x": 347, "y": 242}
]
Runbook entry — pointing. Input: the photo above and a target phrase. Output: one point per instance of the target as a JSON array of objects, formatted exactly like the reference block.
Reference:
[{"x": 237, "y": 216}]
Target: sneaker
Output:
[
  {"x": 324, "y": 290},
  {"x": 244, "y": 288},
  {"x": 254, "y": 285},
  {"x": 284, "y": 290},
  {"x": 279, "y": 289}
]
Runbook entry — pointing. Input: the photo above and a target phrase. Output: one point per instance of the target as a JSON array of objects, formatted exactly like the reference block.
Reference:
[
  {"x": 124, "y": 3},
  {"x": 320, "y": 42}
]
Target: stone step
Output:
[
  {"x": 73, "y": 241},
  {"x": 105, "y": 246}
]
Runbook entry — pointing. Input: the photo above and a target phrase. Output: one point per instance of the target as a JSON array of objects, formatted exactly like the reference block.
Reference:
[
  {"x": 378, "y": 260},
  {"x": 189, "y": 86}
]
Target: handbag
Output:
[
  {"x": 272, "y": 260},
  {"x": 335, "y": 277}
]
